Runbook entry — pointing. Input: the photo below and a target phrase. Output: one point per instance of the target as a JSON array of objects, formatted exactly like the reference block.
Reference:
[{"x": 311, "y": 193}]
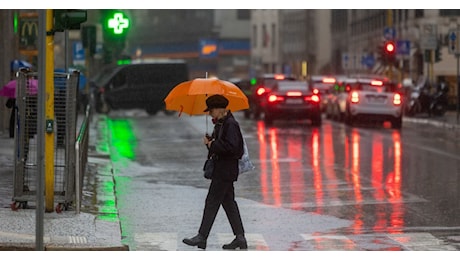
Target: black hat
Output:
[{"x": 216, "y": 101}]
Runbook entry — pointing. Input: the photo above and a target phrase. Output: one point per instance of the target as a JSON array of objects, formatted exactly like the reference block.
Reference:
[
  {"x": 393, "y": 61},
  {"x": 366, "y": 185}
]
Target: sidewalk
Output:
[{"x": 97, "y": 227}]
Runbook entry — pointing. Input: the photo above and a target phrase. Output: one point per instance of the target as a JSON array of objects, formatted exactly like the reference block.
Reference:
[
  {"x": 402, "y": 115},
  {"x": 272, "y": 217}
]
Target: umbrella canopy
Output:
[
  {"x": 17, "y": 64},
  {"x": 9, "y": 90},
  {"x": 190, "y": 96}
]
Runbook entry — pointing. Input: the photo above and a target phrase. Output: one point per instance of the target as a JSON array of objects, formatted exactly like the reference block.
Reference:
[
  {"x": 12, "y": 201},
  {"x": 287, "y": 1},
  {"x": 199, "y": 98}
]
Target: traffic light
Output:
[
  {"x": 88, "y": 38},
  {"x": 389, "y": 53},
  {"x": 68, "y": 19},
  {"x": 437, "y": 55}
]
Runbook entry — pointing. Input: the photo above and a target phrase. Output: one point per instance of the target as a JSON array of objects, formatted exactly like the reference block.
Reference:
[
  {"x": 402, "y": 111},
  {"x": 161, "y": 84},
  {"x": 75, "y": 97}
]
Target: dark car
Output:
[
  {"x": 260, "y": 89},
  {"x": 292, "y": 100},
  {"x": 245, "y": 86},
  {"x": 141, "y": 85}
]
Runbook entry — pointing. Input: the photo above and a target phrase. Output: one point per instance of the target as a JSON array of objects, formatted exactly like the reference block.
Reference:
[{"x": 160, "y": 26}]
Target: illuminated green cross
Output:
[{"x": 118, "y": 23}]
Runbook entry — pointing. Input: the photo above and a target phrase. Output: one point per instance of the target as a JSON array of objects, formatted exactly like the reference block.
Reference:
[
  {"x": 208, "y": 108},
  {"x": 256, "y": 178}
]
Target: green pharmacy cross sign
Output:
[{"x": 118, "y": 23}]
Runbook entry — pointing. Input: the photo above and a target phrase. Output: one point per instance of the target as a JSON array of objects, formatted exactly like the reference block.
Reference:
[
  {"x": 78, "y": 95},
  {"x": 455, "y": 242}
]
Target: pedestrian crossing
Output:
[{"x": 415, "y": 241}]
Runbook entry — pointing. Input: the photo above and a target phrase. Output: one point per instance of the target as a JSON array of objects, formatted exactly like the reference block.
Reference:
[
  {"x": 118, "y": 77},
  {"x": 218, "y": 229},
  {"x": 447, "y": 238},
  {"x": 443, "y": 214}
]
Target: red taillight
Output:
[
  {"x": 101, "y": 90},
  {"x": 279, "y": 76},
  {"x": 294, "y": 94},
  {"x": 354, "y": 97},
  {"x": 274, "y": 98},
  {"x": 315, "y": 91},
  {"x": 397, "y": 99},
  {"x": 315, "y": 98},
  {"x": 377, "y": 83},
  {"x": 260, "y": 91},
  {"x": 328, "y": 80}
]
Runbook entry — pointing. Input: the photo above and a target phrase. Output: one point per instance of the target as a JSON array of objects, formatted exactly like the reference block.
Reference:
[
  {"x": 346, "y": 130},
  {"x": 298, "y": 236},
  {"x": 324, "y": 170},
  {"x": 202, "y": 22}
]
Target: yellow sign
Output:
[
  {"x": 208, "y": 49},
  {"x": 28, "y": 31}
]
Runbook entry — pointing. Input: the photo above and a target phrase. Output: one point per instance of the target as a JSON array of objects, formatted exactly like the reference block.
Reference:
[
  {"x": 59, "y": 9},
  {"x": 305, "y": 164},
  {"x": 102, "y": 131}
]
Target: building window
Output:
[
  {"x": 419, "y": 13},
  {"x": 265, "y": 36},
  {"x": 243, "y": 14},
  {"x": 449, "y": 12},
  {"x": 254, "y": 36},
  {"x": 273, "y": 38}
]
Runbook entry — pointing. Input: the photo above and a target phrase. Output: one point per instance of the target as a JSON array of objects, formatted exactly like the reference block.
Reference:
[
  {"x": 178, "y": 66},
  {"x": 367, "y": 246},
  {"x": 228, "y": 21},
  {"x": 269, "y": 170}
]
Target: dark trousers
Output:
[{"x": 221, "y": 193}]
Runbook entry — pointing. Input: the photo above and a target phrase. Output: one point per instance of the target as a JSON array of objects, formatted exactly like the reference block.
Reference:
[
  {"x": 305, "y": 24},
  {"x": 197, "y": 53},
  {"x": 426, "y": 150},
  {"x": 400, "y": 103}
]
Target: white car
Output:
[
  {"x": 336, "y": 99},
  {"x": 373, "y": 100}
]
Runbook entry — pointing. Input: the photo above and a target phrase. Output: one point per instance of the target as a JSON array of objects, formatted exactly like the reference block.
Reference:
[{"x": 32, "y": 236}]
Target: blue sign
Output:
[
  {"x": 403, "y": 48},
  {"x": 78, "y": 51},
  {"x": 389, "y": 33},
  {"x": 368, "y": 61}
]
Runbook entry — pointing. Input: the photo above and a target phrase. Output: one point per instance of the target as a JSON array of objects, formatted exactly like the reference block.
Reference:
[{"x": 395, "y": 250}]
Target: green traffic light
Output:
[{"x": 118, "y": 23}]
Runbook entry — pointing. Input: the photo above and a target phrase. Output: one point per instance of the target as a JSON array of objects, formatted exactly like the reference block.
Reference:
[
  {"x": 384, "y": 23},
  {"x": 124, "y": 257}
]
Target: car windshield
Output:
[{"x": 292, "y": 86}]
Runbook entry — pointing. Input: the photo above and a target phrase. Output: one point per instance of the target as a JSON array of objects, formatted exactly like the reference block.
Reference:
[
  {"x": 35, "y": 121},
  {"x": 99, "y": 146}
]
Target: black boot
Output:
[
  {"x": 197, "y": 240},
  {"x": 239, "y": 241}
]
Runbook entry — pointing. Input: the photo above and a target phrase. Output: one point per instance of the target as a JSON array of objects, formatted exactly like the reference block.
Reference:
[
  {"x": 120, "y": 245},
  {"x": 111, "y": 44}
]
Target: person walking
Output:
[{"x": 226, "y": 144}]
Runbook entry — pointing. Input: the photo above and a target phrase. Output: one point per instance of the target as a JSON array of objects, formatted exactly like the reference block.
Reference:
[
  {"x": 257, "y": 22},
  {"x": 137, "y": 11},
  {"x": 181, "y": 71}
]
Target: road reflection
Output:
[{"x": 303, "y": 169}]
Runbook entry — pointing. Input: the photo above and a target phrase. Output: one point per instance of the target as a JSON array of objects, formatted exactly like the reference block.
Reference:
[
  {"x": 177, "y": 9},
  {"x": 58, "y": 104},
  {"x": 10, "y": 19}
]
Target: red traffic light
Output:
[{"x": 390, "y": 48}]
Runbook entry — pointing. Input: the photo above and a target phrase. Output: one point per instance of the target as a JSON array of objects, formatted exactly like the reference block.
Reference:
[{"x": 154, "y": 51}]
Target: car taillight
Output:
[
  {"x": 328, "y": 80},
  {"x": 397, "y": 100},
  {"x": 294, "y": 94},
  {"x": 354, "y": 97},
  {"x": 376, "y": 83},
  {"x": 274, "y": 98},
  {"x": 314, "y": 98},
  {"x": 315, "y": 91},
  {"x": 279, "y": 76},
  {"x": 101, "y": 90},
  {"x": 261, "y": 91}
]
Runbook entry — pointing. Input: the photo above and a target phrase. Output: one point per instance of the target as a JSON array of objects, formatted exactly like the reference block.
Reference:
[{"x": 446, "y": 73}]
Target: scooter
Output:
[
  {"x": 419, "y": 101},
  {"x": 439, "y": 102}
]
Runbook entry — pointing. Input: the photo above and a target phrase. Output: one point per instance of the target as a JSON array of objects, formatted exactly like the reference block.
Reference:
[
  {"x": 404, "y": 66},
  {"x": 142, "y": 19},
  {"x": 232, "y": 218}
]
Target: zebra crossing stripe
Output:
[
  {"x": 255, "y": 241},
  {"x": 421, "y": 242},
  {"x": 160, "y": 241}
]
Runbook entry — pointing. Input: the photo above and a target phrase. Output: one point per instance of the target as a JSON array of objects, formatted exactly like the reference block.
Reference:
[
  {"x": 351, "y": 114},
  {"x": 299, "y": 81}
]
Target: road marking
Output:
[{"x": 417, "y": 241}]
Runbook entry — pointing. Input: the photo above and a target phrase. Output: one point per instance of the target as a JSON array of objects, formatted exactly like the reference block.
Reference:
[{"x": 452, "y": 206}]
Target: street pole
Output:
[
  {"x": 458, "y": 85},
  {"x": 390, "y": 25}
]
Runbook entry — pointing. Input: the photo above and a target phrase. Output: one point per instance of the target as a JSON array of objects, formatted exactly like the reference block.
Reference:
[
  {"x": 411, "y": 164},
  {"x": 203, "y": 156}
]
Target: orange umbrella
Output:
[{"x": 190, "y": 96}]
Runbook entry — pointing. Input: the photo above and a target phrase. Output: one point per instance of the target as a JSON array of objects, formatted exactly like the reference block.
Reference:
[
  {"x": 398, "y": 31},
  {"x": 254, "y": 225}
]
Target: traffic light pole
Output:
[
  {"x": 390, "y": 25},
  {"x": 458, "y": 86}
]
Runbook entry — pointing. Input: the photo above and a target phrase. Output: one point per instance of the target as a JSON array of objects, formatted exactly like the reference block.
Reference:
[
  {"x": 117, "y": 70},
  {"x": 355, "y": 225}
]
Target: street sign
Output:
[
  {"x": 389, "y": 33},
  {"x": 428, "y": 40},
  {"x": 454, "y": 41},
  {"x": 403, "y": 48},
  {"x": 345, "y": 60}
]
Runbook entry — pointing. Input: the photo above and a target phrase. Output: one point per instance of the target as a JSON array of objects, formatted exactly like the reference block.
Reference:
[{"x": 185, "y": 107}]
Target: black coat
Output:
[{"x": 227, "y": 148}]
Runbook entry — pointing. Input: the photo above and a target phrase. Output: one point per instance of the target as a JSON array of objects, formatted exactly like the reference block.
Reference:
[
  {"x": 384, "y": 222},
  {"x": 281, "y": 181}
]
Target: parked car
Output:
[
  {"x": 292, "y": 100},
  {"x": 139, "y": 85},
  {"x": 375, "y": 100},
  {"x": 260, "y": 89}
]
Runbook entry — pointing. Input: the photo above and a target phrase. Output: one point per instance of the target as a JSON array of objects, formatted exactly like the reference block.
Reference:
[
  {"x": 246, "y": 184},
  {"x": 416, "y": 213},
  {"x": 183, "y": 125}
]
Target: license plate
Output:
[
  {"x": 293, "y": 101},
  {"x": 376, "y": 100}
]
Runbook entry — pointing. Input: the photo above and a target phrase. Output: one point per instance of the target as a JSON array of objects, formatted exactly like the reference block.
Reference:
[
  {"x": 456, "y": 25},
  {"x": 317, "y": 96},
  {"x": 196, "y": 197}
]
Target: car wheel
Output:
[
  {"x": 268, "y": 119},
  {"x": 396, "y": 123},
  {"x": 316, "y": 121}
]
